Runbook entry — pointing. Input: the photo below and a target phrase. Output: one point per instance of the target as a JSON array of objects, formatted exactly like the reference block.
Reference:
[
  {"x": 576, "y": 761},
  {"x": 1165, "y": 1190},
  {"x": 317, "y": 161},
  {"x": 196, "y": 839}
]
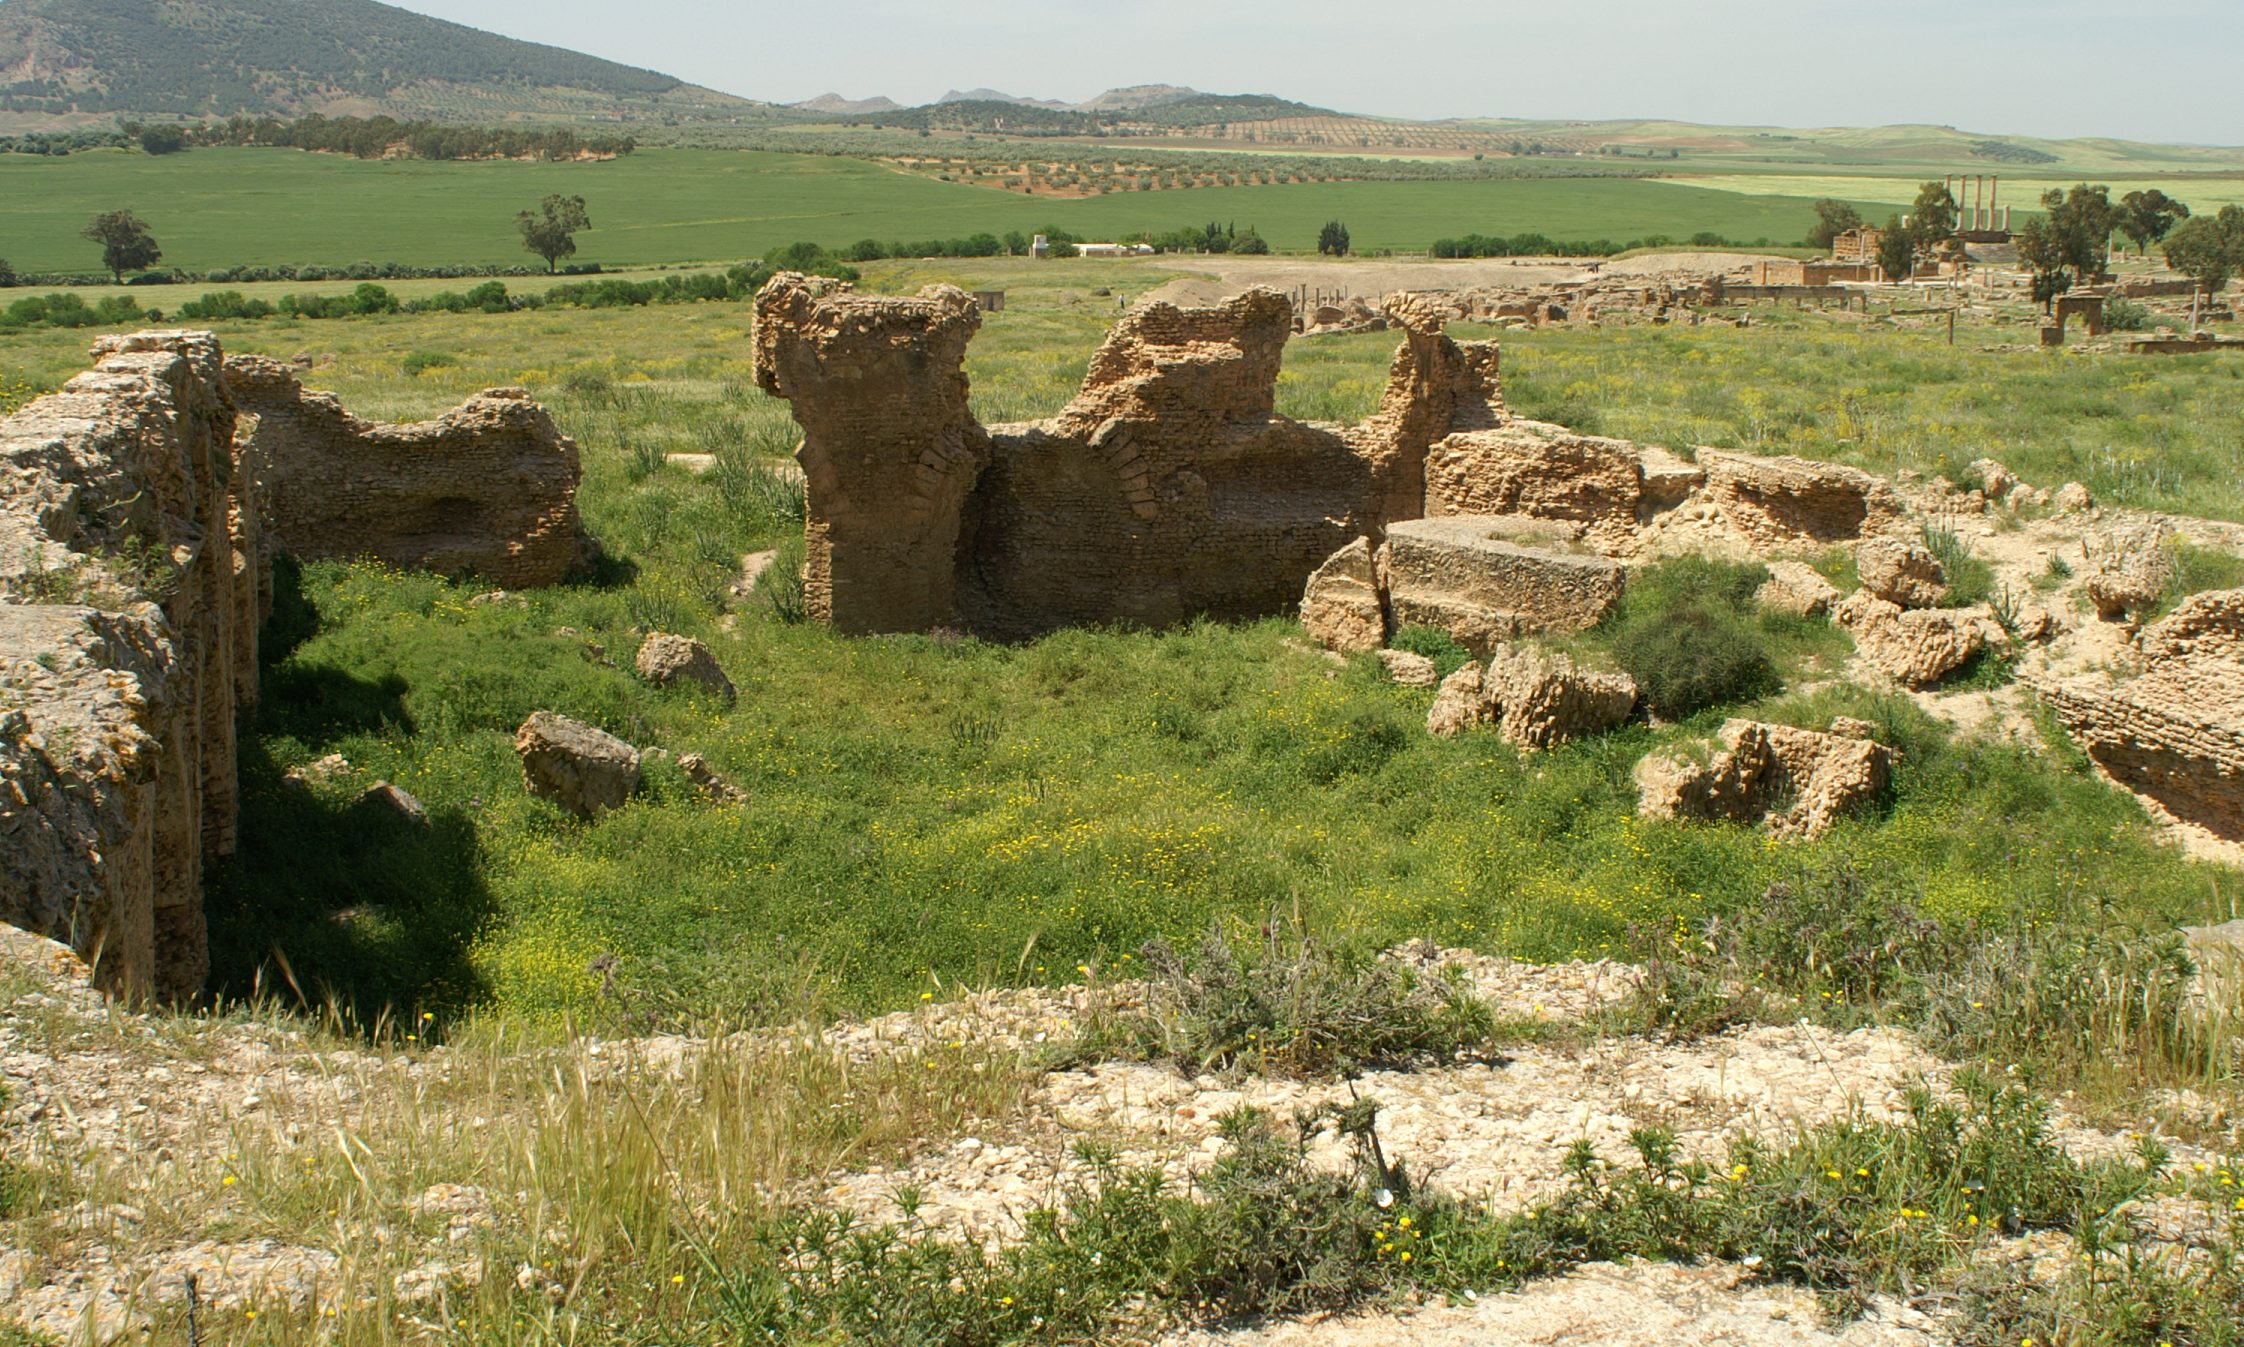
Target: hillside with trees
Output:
[{"x": 220, "y": 58}]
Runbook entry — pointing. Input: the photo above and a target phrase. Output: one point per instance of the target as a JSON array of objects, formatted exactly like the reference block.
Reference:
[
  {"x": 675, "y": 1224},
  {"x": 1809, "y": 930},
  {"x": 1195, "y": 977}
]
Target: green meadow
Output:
[
  {"x": 926, "y": 812},
  {"x": 217, "y": 208}
]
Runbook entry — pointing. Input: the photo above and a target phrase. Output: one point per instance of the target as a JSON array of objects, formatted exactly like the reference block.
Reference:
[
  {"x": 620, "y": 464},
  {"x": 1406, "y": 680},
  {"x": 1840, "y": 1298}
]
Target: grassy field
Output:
[
  {"x": 237, "y": 207},
  {"x": 926, "y": 813}
]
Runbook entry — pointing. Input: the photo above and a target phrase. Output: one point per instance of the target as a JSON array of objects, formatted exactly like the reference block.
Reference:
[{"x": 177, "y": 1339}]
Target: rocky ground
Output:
[{"x": 102, "y": 1092}]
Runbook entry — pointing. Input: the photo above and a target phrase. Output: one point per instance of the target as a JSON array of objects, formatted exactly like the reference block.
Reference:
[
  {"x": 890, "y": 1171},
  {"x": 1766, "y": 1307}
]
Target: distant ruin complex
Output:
[{"x": 140, "y": 509}]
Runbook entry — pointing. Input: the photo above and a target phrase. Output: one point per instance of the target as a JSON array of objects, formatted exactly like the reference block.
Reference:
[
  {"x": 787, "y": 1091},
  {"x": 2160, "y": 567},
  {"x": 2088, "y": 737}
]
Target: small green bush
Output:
[
  {"x": 1686, "y": 631},
  {"x": 1287, "y": 1004},
  {"x": 224, "y": 304},
  {"x": 2125, "y": 315},
  {"x": 2198, "y": 569},
  {"x": 781, "y": 586},
  {"x": 417, "y": 363}
]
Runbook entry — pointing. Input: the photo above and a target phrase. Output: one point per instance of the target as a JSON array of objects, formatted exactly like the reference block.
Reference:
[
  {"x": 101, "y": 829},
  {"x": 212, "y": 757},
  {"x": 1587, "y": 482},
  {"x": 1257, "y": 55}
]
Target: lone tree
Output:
[
  {"x": 551, "y": 230},
  {"x": 2148, "y": 217},
  {"x": 162, "y": 139},
  {"x": 1332, "y": 240},
  {"x": 1832, "y": 218},
  {"x": 2209, "y": 250},
  {"x": 2043, "y": 252},
  {"x": 2083, "y": 220},
  {"x": 126, "y": 244},
  {"x": 1932, "y": 220},
  {"x": 1897, "y": 250}
]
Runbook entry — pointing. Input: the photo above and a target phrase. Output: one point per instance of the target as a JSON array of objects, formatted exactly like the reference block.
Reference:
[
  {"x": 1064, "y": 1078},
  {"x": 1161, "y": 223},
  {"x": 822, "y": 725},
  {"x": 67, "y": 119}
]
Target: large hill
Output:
[{"x": 74, "y": 59}]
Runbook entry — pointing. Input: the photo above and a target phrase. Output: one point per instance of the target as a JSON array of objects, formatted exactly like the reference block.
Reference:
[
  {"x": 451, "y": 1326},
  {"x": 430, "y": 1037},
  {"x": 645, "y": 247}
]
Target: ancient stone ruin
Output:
[
  {"x": 2175, "y": 733},
  {"x": 131, "y": 591},
  {"x": 1798, "y": 782},
  {"x": 488, "y": 489},
  {"x": 1168, "y": 489},
  {"x": 140, "y": 509}
]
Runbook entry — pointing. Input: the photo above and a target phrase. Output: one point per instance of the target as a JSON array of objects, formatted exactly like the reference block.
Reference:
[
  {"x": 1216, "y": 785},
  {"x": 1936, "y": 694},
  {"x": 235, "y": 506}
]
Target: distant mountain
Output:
[
  {"x": 1138, "y": 96},
  {"x": 201, "y": 58},
  {"x": 1129, "y": 99},
  {"x": 835, "y": 103},
  {"x": 1146, "y": 108},
  {"x": 994, "y": 96}
]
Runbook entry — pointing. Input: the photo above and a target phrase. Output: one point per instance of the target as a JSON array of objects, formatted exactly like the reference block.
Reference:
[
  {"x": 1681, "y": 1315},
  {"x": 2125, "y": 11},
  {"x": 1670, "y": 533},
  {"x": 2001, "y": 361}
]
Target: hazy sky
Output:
[{"x": 2033, "y": 67}]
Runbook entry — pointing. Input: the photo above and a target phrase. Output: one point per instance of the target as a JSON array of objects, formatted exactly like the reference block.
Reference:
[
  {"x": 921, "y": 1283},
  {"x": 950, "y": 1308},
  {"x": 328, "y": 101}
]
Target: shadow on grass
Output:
[
  {"x": 316, "y": 704},
  {"x": 349, "y": 902}
]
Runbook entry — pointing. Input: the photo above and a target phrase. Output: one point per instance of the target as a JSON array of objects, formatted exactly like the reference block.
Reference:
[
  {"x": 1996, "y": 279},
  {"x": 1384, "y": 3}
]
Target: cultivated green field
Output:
[{"x": 219, "y": 208}]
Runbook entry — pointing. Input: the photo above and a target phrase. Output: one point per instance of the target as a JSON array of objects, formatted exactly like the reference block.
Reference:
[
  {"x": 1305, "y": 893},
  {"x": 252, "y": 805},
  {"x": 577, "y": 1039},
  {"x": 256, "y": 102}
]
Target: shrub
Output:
[
  {"x": 773, "y": 500},
  {"x": 1685, "y": 630},
  {"x": 782, "y": 584},
  {"x": 7, "y": 274},
  {"x": 71, "y": 311},
  {"x": 417, "y": 363},
  {"x": 2122, "y": 314},
  {"x": 224, "y": 304},
  {"x": 811, "y": 260},
  {"x": 1287, "y": 1004}
]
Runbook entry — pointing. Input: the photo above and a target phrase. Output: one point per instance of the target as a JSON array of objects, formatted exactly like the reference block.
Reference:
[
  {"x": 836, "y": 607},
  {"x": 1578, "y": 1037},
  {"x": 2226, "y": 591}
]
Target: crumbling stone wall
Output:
[
  {"x": 1168, "y": 488},
  {"x": 890, "y": 450},
  {"x": 131, "y": 591},
  {"x": 488, "y": 489},
  {"x": 2174, "y": 735}
]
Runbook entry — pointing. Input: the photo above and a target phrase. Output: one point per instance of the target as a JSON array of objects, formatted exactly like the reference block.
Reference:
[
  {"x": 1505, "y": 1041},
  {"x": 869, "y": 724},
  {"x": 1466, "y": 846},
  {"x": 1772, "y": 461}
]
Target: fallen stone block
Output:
[
  {"x": 1543, "y": 699},
  {"x": 1799, "y": 782},
  {"x": 1468, "y": 576},
  {"x": 1409, "y": 669},
  {"x": 707, "y": 780},
  {"x": 1916, "y": 647},
  {"x": 1458, "y": 705},
  {"x": 1901, "y": 571},
  {"x": 1797, "y": 588},
  {"x": 1342, "y": 606},
  {"x": 666, "y": 660},
  {"x": 2129, "y": 569},
  {"x": 1532, "y": 699},
  {"x": 582, "y": 769},
  {"x": 1784, "y": 502}
]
